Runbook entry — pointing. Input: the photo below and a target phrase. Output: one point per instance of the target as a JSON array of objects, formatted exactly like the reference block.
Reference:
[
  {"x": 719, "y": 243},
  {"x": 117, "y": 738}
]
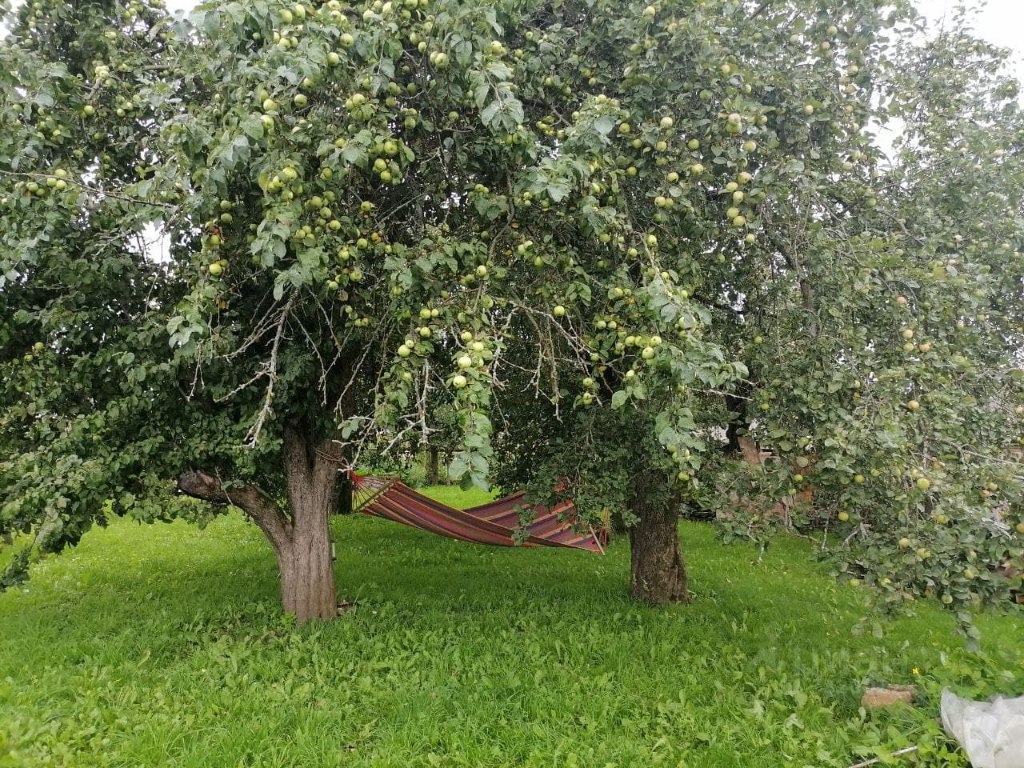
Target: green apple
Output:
[
  {"x": 460, "y": 381},
  {"x": 558, "y": 311}
]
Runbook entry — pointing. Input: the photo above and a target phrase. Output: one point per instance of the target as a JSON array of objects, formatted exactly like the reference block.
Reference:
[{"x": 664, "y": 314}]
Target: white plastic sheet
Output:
[{"x": 991, "y": 732}]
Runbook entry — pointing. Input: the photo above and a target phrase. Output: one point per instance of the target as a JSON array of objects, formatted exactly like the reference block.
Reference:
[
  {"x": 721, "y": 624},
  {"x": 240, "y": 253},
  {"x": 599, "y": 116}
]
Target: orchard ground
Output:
[{"x": 163, "y": 645}]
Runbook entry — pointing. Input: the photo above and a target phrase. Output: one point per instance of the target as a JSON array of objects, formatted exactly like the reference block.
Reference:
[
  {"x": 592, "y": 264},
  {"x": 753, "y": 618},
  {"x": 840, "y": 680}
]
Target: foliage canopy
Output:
[{"x": 628, "y": 224}]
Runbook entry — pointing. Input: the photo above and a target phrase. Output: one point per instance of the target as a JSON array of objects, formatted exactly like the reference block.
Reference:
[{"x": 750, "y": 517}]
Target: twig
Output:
[
  {"x": 760, "y": 9},
  {"x": 271, "y": 372},
  {"x": 422, "y": 405},
  {"x": 877, "y": 760},
  {"x": 860, "y": 530}
]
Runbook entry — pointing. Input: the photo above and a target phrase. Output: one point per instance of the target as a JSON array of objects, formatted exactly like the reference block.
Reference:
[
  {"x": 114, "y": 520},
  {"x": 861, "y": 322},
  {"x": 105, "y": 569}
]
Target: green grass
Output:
[{"x": 163, "y": 646}]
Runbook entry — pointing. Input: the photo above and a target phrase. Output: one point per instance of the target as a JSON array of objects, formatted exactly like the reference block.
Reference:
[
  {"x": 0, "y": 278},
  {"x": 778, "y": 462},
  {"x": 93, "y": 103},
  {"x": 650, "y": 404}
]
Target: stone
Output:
[{"x": 876, "y": 698}]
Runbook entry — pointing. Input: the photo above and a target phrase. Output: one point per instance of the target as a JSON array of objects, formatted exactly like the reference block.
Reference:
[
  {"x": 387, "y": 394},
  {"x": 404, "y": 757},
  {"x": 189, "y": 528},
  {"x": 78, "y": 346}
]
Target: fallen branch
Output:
[{"x": 877, "y": 760}]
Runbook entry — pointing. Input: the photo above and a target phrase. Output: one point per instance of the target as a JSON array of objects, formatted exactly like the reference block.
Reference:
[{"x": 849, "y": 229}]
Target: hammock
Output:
[{"x": 494, "y": 523}]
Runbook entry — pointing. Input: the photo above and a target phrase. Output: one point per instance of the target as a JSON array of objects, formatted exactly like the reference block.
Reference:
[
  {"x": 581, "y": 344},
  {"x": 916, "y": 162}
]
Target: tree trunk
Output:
[
  {"x": 433, "y": 465},
  {"x": 737, "y": 424},
  {"x": 301, "y": 539},
  {"x": 307, "y": 572},
  {"x": 344, "y": 503},
  {"x": 657, "y": 569}
]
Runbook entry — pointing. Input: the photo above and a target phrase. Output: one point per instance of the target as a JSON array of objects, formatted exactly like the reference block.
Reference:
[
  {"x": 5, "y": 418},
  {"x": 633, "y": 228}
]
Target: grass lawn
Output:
[{"x": 163, "y": 646}]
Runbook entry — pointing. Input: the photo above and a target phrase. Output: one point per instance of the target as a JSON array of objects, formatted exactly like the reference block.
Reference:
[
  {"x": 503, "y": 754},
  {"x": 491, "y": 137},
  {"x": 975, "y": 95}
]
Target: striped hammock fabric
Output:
[{"x": 494, "y": 523}]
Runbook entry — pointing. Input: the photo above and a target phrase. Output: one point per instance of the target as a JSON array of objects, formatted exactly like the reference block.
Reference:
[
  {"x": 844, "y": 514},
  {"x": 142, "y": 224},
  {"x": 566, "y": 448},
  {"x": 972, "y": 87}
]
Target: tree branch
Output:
[
  {"x": 255, "y": 502},
  {"x": 92, "y": 190}
]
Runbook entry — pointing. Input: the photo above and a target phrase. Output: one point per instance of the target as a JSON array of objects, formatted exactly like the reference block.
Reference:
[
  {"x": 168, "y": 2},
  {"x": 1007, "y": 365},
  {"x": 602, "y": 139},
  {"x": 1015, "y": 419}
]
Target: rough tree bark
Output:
[
  {"x": 300, "y": 536},
  {"x": 657, "y": 568}
]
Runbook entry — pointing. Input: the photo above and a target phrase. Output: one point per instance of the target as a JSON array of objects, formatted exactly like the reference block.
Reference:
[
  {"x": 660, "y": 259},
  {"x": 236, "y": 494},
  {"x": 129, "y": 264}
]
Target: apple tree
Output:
[
  {"x": 597, "y": 229},
  {"x": 870, "y": 311}
]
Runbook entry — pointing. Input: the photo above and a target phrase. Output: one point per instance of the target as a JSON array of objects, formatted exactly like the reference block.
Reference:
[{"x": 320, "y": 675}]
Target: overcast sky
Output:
[{"x": 998, "y": 21}]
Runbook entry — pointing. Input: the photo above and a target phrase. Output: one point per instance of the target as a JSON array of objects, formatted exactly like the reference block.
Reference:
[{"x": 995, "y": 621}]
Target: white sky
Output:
[{"x": 998, "y": 21}]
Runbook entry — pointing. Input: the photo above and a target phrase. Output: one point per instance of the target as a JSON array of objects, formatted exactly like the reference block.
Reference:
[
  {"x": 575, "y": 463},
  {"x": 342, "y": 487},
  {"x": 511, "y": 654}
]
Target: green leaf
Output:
[
  {"x": 557, "y": 191},
  {"x": 604, "y": 124}
]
